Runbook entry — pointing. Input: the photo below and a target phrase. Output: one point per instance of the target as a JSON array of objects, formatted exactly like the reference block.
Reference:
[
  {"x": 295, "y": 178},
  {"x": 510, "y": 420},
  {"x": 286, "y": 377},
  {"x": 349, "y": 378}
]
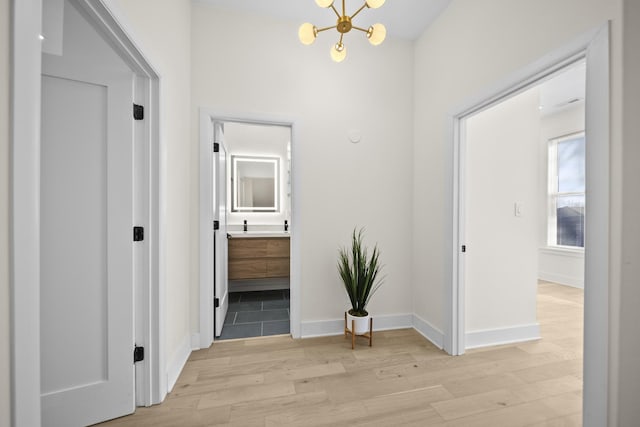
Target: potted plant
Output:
[{"x": 360, "y": 277}]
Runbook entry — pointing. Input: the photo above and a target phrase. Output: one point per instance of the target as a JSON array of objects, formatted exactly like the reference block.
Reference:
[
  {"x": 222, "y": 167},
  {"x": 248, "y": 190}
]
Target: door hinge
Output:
[
  {"x": 216, "y": 225},
  {"x": 138, "y": 112},
  {"x": 216, "y": 302},
  {"x": 138, "y": 234},
  {"x": 216, "y": 147},
  {"x": 464, "y": 248},
  {"x": 138, "y": 354}
]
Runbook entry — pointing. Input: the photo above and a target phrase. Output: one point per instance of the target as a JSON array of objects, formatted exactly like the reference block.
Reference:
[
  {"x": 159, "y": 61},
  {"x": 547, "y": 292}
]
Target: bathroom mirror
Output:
[{"x": 254, "y": 184}]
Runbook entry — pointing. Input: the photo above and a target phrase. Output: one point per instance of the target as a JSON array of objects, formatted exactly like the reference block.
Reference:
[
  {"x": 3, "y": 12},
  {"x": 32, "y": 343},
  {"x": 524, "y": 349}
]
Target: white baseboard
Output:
[
  {"x": 395, "y": 321},
  {"x": 574, "y": 282},
  {"x": 428, "y": 331},
  {"x": 490, "y": 337},
  {"x": 177, "y": 362},
  {"x": 321, "y": 328}
]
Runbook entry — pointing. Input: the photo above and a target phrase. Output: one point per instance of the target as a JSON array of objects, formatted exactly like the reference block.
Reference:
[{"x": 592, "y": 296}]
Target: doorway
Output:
[
  {"x": 593, "y": 46},
  {"x": 255, "y": 201},
  {"x": 258, "y": 220},
  {"x": 524, "y": 205}
]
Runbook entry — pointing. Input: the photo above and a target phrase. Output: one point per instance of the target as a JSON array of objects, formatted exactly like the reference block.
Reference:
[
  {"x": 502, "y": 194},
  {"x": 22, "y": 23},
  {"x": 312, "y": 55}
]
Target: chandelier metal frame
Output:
[{"x": 376, "y": 33}]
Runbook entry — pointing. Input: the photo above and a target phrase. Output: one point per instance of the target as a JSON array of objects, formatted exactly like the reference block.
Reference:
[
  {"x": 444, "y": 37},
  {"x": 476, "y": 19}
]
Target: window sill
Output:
[{"x": 563, "y": 251}]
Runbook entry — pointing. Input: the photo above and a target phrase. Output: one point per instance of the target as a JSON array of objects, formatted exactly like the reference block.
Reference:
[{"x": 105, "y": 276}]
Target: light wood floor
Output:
[{"x": 403, "y": 380}]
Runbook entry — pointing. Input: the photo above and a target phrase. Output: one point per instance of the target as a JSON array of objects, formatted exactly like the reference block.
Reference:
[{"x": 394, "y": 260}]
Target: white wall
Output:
[
  {"x": 501, "y": 262},
  {"x": 629, "y": 373},
  {"x": 564, "y": 266},
  {"x": 262, "y": 141},
  {"x": 256, "y": 65},
  {"x": 5, "y": 347},
  {"x": 469, "y": 48},
  {"x": 472, "y": 47},
  {"x": 162, "y": 32}
]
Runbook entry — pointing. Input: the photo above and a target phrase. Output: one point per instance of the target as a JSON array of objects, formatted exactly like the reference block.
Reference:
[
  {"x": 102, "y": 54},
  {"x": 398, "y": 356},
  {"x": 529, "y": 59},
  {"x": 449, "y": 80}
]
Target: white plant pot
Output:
[{"x": 361, "y": 323}]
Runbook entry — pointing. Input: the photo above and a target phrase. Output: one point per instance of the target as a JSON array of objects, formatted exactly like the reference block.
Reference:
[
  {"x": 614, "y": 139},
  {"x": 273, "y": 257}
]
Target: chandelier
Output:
[{"x": 375, "y": 33}]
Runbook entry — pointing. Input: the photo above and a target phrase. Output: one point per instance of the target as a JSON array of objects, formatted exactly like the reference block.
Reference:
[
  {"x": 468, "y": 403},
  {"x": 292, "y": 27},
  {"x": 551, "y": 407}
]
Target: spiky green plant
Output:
[{"x": 360, "y": 275}]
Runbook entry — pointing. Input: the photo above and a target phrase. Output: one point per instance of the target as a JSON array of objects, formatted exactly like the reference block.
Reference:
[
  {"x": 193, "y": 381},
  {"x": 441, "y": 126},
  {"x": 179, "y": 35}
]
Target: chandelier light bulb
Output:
[
  {"x": 338, "y": 52},
  {"x": 376, "y": 34},
  {"x": 307, "y": 33},
  {"x": 373, "y": 4},
  {"x": 326, "y": 3}
]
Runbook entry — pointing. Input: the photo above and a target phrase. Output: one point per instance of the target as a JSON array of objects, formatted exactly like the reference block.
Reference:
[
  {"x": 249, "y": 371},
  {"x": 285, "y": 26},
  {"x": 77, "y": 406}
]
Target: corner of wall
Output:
[
  {"x": 428, "y": 331},
  {"x": 177, "y": 362}
]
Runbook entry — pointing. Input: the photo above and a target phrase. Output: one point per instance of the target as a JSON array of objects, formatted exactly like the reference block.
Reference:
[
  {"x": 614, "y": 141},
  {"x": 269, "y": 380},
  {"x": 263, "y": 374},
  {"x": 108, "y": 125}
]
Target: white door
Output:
[
  {"x": 86, "y": 309},
  {"x": 221, "y": 287}
]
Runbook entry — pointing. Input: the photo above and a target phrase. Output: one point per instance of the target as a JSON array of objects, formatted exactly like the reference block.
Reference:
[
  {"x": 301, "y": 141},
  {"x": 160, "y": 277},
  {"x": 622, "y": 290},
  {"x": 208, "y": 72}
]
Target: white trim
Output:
[
  {"x": 568, "y": 255},
  {"x": 178, "y": 360},
  {"x": 562, "y": 251},
  {"x": 322, "y": 328},
  {"x": 517, "y": 82},
  {"x": 597, "y": 233},
  {"x": 331, "y": 327},
  {"x": 206, "y": 229},
  {"x": 295, "y": 279},
  {"x": 207, "y": 117},
  {"x": 25, "y": 127},
  {"x": 562, "y": 279},
  {"x": 391, "y": 321},
  {"x": 491, "y": 337},
  {"x": 25, "y": 220},
  {"x": 428, "y": 331}
]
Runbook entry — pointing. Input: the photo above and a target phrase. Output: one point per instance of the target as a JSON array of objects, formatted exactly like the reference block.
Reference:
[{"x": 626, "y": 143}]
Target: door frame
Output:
[
  {"x": 207, "y": 118},
  {"x": 594, "y": 46},
  {"x": 25, "y": 207}
]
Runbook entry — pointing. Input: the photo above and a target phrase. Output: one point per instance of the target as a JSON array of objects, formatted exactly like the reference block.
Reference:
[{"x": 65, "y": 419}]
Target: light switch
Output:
[{"x": 517, "y": 209}]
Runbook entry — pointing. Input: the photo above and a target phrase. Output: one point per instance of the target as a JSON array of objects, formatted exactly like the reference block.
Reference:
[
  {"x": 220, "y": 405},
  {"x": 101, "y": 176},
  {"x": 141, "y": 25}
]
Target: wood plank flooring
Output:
[{"x": 403, "y": 380}]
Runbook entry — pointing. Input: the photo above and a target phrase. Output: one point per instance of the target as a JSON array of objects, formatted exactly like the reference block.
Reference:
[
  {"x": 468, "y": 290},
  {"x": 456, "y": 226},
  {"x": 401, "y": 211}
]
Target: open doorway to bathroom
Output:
[{"x": 258, "y": 220}]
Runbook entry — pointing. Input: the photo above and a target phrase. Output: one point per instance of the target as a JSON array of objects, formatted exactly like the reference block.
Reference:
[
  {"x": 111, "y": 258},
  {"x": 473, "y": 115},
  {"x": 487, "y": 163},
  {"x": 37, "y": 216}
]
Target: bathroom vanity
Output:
[{"x": 259, "y": 255}]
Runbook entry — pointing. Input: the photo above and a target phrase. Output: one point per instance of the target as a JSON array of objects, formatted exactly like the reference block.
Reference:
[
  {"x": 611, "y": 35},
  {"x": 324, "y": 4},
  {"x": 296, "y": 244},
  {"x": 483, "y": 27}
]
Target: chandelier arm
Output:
[
  {"x": 359, "y": 29},
  {"x": 319, "y": 30},
  {"x": 335, "y": 10},
  {"x": 344, "y": 8},
  {"x": 359, "y": 10},
  {"x": 341, "y": 36}
]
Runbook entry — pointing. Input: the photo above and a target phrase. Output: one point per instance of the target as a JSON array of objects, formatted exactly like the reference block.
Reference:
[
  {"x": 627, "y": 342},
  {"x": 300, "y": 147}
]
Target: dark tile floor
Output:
[{"x": 256, "y": 313}]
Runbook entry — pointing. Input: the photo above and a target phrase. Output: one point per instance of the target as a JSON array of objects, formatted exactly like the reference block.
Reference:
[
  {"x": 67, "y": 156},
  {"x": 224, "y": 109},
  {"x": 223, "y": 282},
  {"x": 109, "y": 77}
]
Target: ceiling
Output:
[
  {"x": 405, "y": 19},
  {"x": 565, "y": 89}
]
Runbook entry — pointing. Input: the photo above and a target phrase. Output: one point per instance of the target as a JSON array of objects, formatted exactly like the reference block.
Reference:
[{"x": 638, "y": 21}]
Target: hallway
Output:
[{"x": 402, "y": 380}]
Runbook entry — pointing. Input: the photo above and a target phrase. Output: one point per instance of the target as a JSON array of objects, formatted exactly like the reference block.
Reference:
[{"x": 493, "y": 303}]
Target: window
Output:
[{"x": 566, "y": 191}]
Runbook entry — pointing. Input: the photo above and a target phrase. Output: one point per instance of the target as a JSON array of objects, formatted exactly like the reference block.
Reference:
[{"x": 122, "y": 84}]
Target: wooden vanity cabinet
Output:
[{"x": 258, "y": 257}]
